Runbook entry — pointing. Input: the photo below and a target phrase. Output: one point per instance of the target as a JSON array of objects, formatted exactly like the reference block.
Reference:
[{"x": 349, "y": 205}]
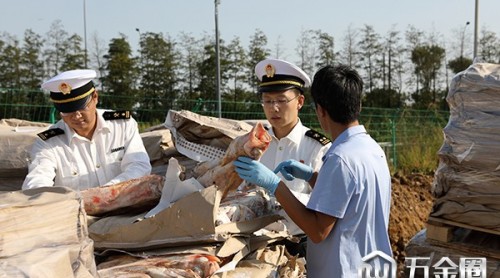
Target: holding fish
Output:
[{"x": 220, "y": 172}]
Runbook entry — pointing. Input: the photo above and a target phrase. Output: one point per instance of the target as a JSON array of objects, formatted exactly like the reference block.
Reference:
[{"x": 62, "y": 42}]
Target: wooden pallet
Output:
[
  {"x": 441, "y": 233},
  {"x": 442, "y": 230}
]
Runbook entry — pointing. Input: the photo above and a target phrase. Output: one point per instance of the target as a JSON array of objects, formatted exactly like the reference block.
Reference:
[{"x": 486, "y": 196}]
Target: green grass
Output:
[{"x": 418, "y": 153}]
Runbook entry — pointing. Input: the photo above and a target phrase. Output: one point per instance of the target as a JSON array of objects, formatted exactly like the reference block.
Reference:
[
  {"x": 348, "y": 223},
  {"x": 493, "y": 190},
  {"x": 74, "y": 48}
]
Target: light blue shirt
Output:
[{"x": 354, "y": 185}]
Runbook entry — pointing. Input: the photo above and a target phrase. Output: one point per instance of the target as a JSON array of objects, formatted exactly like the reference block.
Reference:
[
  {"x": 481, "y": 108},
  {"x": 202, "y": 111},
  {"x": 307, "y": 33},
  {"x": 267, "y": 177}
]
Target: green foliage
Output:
[
  {"x": 459, "y": 64},
  {"x": 489, "y": 44},
  {"x": 237, "y": 59},
  {"x": 370, "y": 47},
  {"x": 159, "y": 78},
  {"x": 121, "y": 75},
  {"x": 191, "y": 53},
  {"x": 31, "y": 63},
  {"x": 186, "y": 67},
  {"x": 427, "y": 60},
  {"x": 74, "y": 56},
  {"x": 10, "y": 63},
  {"x": 418, "y": 152},
  {"x": 384, "y": 98},
  {"x": 326, "y": 50},
  {"x": 55, "y": 52},
  {"x": 257, "y": 51}
]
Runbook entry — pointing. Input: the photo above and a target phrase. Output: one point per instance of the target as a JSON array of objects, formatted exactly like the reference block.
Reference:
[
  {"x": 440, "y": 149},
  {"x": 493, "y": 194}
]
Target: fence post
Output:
[
  {"x": 52, "y": 117},
  {"x": 393, "y": 130},
  {"x": 197, "y": 105}
]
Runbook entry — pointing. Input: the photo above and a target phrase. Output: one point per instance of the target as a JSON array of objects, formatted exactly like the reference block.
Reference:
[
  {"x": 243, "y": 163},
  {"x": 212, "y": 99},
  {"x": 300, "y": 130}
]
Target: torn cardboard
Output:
[{"x": 189, "y": 221}]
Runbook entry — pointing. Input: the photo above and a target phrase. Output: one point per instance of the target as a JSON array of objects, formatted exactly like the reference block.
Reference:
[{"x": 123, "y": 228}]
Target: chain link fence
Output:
[{"x": 392, "y": 128}]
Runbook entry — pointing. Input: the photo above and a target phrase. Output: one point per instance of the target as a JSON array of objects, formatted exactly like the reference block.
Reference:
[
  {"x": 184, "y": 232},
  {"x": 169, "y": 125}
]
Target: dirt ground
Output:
[{"x": 412, "y": 201}]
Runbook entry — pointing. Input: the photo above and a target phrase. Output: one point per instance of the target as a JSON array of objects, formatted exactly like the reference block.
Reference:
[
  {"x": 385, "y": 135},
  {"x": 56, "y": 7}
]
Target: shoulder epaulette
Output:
[
  {"x": 50, "y": 133},
  {"x": 318, "y": 137},
  {"x": 116, "y": 115}
]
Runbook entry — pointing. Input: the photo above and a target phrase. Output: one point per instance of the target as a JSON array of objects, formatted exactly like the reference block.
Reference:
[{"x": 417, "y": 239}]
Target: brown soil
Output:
[{"x": 411, "y": 204}]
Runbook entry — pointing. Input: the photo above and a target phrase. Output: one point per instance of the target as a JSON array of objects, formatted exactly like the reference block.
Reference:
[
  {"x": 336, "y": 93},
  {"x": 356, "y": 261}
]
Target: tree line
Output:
[{"x": 400, "y": 69}]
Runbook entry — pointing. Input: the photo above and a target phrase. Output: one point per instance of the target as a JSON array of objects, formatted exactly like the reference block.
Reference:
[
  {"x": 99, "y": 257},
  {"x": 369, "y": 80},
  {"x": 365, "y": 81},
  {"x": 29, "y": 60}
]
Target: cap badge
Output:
[
  {"x": 270, "y": 70},
  {"x": 65, "y": 88}
]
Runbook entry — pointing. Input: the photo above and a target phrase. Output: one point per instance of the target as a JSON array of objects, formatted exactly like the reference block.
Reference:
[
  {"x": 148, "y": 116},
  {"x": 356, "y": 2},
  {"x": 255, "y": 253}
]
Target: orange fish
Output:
[
  {"x": 131, "y": 193},
  {"x": 221, "y": 171},
  {"x": 189, "y": 265}
]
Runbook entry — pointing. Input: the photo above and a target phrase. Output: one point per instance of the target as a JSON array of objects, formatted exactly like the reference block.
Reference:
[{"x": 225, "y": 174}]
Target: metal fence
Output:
[{"x": 392, "y": 128}]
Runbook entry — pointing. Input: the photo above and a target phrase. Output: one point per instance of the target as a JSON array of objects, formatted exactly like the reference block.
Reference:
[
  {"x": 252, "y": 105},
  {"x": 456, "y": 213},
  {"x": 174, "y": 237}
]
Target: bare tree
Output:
[
  {"x": 305, "y": 50},
  {"x": 349, "y": 53},
  {"x": 55, "y": 51},
  {"x": 325, "y": 53},
  {"x": 279, "y": 49},
  {"x": 370, "y": 48},
  {"x": 191, "y": 55},
  {"x": 489, "y": 46},
  {"x": 395, "y": 63},
  {"x": 98, "y": 49}
]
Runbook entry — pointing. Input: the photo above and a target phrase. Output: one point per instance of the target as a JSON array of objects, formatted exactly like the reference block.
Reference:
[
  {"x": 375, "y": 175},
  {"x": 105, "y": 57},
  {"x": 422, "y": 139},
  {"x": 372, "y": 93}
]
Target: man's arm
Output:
[
  {"x": 316, "y": 225},
  {"x": 42, "y": 168},
  {"x": 135, "y": 162},
  {"x": 312, "y": 181}
]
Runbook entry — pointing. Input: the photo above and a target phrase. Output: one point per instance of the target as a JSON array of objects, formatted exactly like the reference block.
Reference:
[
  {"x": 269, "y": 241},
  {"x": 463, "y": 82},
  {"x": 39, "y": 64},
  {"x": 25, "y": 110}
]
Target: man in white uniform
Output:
[
  {"x": 281, "y": 93},
  {"x": 88, "y": 147}
]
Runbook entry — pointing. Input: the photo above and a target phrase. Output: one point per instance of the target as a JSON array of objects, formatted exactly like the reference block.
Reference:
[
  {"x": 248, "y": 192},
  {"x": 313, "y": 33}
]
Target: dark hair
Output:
[{"x": 338, "y": 89}]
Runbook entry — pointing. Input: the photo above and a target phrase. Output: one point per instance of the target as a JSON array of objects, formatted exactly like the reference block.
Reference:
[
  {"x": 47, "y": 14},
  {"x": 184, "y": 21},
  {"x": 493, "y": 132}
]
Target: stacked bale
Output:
[{"x": 467, "y": 181}]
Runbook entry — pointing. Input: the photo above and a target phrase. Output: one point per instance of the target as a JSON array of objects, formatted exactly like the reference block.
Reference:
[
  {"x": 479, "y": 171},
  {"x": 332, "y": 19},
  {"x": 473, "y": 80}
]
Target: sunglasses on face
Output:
[{"x": 80, "y": 111}]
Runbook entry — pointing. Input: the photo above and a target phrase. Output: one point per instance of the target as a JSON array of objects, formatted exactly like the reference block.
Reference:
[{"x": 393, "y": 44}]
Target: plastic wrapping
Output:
[
  {"x": 44, "y": 234},
  {"x": 467, "y": 181},
  {"x": 16, "y": 137},
  {"x": 203, "y": 138},
  {"x": 466, "y": 244}
]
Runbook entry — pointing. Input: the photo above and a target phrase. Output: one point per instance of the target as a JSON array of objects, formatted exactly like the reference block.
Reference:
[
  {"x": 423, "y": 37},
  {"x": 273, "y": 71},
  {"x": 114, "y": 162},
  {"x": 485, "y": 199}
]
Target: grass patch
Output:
[{"x": 418, "y": 152}]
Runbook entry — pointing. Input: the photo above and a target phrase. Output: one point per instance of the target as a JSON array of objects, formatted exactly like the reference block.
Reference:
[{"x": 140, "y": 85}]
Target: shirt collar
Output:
[
  {"x": 102, "y": 126},
  {"x": 295, "y": 135},
  {"x": 348, "y": 133}
]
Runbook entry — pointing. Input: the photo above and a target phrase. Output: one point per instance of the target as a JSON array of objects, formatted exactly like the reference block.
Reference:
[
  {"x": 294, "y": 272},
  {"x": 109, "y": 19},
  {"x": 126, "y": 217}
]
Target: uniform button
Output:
[
  {"x": 120, "y": 159},
  {"x": 98, "y": 166},
  {"x": 280, "y": 148},
  {"x": 75, "y": 173}
]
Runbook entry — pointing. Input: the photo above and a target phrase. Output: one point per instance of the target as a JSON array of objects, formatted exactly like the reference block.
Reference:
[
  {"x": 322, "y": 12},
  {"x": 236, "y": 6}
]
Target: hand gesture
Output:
[
  {"x": 256, "y": 173},
  {"x": 291, "y": 169}
]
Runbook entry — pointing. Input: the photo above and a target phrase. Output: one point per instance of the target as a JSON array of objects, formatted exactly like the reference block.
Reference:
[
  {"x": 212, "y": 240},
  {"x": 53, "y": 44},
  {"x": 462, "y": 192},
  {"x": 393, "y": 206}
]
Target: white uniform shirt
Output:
[
  {"x": 296, "y": 145},
  {"x": 116, "y": 153}
]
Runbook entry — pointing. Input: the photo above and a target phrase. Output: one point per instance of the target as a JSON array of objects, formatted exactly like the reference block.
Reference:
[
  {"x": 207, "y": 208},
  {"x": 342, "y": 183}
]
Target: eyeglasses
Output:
[
  {"x": 84, "y": 109},
  {"x": 280, "y": 101}
]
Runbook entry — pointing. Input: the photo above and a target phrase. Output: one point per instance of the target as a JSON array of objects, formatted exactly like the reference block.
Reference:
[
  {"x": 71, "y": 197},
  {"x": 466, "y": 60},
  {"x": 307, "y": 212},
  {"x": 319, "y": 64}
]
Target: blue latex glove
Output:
[
  {"x": 291, "y": 169},
  {"x": 256, "y": 173}
]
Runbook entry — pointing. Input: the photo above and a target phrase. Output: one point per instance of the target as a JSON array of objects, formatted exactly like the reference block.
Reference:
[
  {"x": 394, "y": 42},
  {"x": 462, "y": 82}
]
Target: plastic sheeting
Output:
[
  {"x": 467, "y": 181},
  {"x": 203, "y": 138},
  {"x": 44, "y": 233}
]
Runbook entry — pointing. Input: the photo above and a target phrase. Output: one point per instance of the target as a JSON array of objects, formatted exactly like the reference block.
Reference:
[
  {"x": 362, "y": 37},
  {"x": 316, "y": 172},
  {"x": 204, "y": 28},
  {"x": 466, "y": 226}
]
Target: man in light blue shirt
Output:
[
  {"x": 354, "y": 187},
  {"x": 347, "y": 215}
]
